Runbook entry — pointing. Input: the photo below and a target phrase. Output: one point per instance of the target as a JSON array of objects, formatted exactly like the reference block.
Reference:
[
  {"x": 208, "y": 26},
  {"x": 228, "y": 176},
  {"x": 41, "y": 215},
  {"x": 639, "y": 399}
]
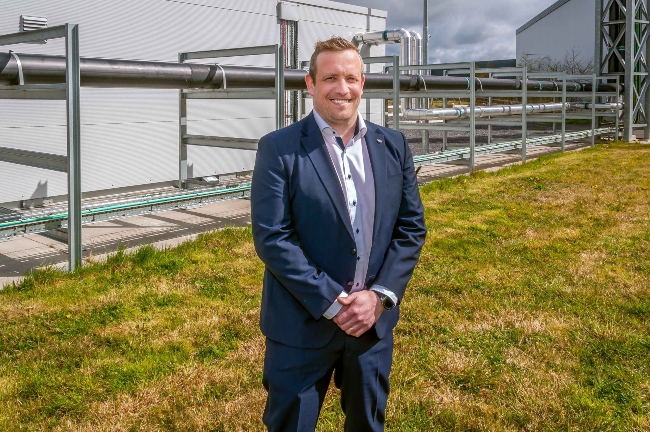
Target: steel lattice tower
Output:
[{"x": 622, "y": 29}]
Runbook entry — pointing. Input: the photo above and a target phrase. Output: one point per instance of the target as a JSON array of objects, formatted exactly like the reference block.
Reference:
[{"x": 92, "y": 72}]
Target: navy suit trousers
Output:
[{"x": 297, "y": 379}]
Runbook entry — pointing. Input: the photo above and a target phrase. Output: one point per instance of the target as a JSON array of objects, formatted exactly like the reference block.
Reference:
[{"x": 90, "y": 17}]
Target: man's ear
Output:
[{"x": 310, "y": 84}]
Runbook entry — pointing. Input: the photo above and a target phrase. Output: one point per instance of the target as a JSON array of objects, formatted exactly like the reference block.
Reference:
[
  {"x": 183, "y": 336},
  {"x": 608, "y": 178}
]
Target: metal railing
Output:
[{"x": 70, "y": 92}]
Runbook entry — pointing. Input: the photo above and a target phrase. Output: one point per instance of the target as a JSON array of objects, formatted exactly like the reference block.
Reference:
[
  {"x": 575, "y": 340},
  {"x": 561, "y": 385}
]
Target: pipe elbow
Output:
[
  {"x": 403, "y": 33},
  {"x": 357, "y": 40}
]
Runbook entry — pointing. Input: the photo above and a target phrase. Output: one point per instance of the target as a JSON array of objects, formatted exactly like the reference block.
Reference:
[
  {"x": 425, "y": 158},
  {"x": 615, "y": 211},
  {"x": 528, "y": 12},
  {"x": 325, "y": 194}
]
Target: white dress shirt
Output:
[{"x": 352, "y": 164}]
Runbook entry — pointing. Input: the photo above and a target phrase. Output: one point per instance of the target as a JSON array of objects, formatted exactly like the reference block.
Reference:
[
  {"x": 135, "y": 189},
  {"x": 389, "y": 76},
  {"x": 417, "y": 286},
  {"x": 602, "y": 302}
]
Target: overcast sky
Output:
[{"x": 461, "y": 30}]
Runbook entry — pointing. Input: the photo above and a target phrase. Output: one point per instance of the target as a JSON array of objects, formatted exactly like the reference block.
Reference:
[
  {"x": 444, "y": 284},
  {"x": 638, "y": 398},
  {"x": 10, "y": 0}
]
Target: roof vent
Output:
[{"x": 28, "y": 23}]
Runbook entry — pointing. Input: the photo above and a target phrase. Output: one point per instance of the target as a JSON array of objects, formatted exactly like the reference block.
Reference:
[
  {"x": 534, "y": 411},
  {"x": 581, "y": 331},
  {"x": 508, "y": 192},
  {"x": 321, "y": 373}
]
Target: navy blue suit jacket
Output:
[{"x": 302, "y": 230}]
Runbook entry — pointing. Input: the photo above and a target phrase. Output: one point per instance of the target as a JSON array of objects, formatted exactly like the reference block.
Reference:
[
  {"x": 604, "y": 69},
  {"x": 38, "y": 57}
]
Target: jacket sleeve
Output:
[
  {"x": 276, "y": 241},
  {"x": 409, "y": 232}
]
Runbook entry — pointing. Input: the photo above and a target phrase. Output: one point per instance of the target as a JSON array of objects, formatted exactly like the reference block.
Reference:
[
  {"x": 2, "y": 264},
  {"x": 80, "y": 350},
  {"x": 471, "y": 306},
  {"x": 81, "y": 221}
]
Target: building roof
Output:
[{"x": 541, "y": 15}]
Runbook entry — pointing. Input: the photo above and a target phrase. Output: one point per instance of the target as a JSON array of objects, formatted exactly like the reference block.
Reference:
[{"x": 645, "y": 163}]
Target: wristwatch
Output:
[{"x": 385, "y": 300}]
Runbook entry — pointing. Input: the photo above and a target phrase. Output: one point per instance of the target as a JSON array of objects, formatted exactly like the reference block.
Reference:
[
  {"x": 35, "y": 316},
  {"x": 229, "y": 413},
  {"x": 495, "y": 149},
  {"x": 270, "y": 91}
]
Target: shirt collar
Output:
[{"x": 359, "y": 128}]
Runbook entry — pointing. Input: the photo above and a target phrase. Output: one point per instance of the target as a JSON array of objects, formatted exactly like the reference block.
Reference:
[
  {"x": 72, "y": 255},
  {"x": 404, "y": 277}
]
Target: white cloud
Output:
[{"x": 462, "y": 30}]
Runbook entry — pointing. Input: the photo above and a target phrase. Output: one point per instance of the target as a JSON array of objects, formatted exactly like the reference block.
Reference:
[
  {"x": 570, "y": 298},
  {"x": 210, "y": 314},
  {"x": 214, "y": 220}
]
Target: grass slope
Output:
[{"x": 529, "y": 310}]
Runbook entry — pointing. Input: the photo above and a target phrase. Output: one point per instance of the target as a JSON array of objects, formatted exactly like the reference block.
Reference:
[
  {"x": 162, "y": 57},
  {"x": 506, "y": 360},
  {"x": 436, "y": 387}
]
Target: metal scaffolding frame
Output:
[
  {"x": 228, "y": 187},
  {"x": 276, "y": 93},
  {"x": 70, "y": 92},
  {"x": 622, "y": 50}
]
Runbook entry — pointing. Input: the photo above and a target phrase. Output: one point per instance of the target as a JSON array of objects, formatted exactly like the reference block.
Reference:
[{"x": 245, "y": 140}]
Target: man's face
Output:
[{"x": 338, "y": 87}]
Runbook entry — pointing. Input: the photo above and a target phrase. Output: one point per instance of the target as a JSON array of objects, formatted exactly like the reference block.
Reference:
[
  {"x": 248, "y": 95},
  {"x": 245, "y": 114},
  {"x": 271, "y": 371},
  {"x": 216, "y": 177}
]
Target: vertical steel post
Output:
[
  {"x": 594, "y": 86},
  {"x": 618, "y": 113},
  {"x": 182, "y": 131},
  {"x": 472, "y": 116},
  {"x": 489, "y": 136},
  {"x": 396, "y": 89},
  {"x": 554, "y": 123},
  {"x": 279, "y": 86},
  {"x": 598, "y": 49},
  {"x": 524, "y": 121},
  {"x": 425, "y": 60},
  {"x": 628, "y": 98},
  {"x": 73, "y": 89},
  {"x": 425, "y": 34},
  {"x": 563, "y": 111},
  {"x": 444, "y": 105},
  {"x": 646, "y": 101},
  {"x": 301, "y": 106}
]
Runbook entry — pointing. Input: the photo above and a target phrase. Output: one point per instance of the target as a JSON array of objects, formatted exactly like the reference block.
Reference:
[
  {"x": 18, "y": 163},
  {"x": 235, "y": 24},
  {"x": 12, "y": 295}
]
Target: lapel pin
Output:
[{"x": 379, "y": 141}]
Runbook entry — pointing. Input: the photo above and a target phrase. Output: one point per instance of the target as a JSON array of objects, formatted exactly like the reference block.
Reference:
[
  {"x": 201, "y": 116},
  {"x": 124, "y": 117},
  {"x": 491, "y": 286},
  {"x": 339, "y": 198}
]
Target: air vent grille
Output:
[{"x": 28, "y": 23}]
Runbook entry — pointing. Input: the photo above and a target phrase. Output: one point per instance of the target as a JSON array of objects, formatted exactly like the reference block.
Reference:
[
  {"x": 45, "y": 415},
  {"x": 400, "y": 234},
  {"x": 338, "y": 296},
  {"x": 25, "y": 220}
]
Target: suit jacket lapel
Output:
[
  {"x": 375, "y": 143},
  {"x": 314, "y": 144}
]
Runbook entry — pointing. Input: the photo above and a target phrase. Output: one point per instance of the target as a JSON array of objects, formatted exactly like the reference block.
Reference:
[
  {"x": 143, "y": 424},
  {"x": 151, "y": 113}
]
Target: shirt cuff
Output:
[
  {"x": 335, "y": 307},
  {"x": 382, "y": 290}
]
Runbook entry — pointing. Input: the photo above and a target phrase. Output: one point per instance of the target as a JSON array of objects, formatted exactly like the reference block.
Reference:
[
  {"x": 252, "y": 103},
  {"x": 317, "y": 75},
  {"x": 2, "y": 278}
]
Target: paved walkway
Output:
[{"x": 19, "y": 255}]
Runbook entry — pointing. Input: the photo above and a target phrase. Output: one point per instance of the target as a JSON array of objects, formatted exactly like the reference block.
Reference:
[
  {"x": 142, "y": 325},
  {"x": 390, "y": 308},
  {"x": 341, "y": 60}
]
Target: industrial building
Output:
[
  {"x": 565, "y": 26},
  {"x": 130, "y": 135}
]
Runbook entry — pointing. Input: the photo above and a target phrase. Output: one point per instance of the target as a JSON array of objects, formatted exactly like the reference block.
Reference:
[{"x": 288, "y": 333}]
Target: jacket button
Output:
[{"x": 353, "y": 251}]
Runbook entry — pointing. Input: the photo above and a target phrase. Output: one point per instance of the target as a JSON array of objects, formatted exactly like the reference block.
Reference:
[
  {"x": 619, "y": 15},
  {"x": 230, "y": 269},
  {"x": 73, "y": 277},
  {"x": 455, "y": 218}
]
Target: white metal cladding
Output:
[
  {"x": 571, "y": 25},
  {"x": 129, "y": 137}
]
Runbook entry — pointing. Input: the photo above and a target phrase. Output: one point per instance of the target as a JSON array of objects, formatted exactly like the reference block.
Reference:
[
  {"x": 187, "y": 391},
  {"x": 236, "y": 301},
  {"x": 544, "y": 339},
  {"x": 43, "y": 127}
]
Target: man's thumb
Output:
[{"x": 344, "y": 299}]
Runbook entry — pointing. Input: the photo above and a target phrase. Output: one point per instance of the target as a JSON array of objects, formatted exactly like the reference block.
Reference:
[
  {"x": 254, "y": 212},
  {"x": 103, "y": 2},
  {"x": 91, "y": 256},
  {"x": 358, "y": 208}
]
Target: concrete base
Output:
[{"x": 165, "y": 229}]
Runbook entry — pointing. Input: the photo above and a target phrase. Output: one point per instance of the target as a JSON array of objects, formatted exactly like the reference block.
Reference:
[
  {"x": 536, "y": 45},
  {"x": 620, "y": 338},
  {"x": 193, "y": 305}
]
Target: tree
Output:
[{"x": 573, "y": 63}]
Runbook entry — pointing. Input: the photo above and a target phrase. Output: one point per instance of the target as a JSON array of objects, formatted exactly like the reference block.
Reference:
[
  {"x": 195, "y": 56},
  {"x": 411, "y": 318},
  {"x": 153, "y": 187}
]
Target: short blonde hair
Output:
[{"x": 334, "y": 44}]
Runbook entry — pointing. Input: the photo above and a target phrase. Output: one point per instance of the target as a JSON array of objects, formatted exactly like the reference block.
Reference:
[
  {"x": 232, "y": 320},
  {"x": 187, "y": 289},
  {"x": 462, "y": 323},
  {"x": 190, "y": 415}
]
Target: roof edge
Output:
[
  {"x": 542, "y": 14},
  {"x": 340, "y": 6}
]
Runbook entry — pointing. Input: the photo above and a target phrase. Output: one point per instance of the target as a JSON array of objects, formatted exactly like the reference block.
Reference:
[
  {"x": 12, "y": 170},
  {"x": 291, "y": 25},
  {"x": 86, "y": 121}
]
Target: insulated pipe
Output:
[
  {"x": 42, "y": 69},
  {"x": 416, "y": 59},
  {"x": 599, "y": 106},
  {"x": 497, "y": 110},
  {"x": 407, "y": 43},
  {"x": 380, "y": 37},
  {"x": 401, "y": 36},
  {"x": 416, "y": 56},
  {"x": 406, "y": 51}
]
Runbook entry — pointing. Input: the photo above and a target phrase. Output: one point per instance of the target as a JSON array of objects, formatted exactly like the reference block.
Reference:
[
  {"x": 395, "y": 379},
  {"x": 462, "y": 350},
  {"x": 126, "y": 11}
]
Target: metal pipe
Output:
[
  {"x": 109, "y": 73},
  {"x": 380, "y": 37},
  {"x": 416, "y": 51},
  {"x": 498, "y": 110},
  {"x": 408, "y": 53},
  {"x": 613, "y": 106}
]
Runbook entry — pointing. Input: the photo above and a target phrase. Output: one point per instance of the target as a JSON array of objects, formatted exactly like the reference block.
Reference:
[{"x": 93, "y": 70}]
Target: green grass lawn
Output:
[{"x": 529, "y": 310}]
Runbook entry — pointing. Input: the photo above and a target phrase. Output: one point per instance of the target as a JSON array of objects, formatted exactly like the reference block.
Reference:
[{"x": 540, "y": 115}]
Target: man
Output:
[{"x": 338, "y": 222}]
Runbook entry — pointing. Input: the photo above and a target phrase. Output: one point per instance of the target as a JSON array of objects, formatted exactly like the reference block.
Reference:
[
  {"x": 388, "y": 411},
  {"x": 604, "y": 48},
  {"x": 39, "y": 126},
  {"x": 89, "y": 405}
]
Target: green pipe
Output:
[{"x": 60, "y": 216}]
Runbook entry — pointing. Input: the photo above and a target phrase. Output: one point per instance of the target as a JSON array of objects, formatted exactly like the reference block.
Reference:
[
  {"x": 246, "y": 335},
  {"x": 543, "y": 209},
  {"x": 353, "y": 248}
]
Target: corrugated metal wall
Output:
[
  {"x": 572, "y": 25},
  {"x": 130, "y": 136}
]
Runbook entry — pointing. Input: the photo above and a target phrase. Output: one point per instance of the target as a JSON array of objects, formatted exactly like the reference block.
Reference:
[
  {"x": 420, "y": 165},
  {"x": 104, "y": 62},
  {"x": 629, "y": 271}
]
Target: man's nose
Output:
[{"x": 342, "y": 86}]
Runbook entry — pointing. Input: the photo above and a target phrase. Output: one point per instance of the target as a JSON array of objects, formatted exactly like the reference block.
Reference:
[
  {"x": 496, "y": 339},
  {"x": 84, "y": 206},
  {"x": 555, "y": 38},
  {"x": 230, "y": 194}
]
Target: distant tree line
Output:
[{"x": 573, "y": 63}]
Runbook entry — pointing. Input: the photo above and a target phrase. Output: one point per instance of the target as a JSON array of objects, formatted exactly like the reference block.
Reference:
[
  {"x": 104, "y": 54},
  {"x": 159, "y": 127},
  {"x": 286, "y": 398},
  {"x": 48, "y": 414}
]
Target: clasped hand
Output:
[{"x": 360, "y": 311}]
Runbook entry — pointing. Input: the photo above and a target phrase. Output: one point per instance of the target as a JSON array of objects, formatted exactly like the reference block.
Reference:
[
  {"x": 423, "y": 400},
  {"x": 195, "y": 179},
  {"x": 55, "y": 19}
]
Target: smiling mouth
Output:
[{"x": 340, "y": 101}]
